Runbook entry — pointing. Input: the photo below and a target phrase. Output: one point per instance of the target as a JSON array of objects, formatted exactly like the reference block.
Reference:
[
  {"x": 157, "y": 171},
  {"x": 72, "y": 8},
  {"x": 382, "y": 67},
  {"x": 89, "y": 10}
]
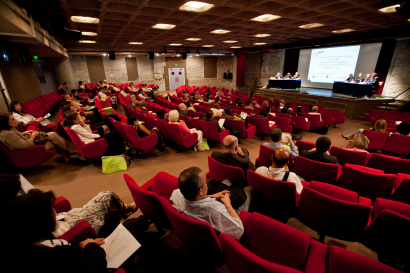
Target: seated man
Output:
[
  {"x": 360, "y": 77},
  {"x": 350, "y": 79},
  {"x": 191, "y": 200},
  {"x": 133, "y": 102},
  {"x": 276, "y": 136},
  {"x": 279, "y": 169},
  {"x": 227, "y": 113},
  {"x": 183, "y": 110},
  {"x": 288, "y": 76},
  {"x": 233, "y": 155},
  {"x": 209, "y": 116},
  {"x": 141, "y": 107},
  {"x": 321, "y": 152}
]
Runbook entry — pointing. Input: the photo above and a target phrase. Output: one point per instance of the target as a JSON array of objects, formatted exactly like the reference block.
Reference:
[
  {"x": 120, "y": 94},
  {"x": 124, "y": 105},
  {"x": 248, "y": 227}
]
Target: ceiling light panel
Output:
[
  {"x": 135, "y": 43},
  {"x": 85, "y": 20},
  {"x": 235, "y": 47},
  {"x": 175, "y": 44},
  {"x": 87, "y": 42},
  {"x": 88, "y": 33},
  {"x": 230, "y": 42},
  {"x": 265, "y": 18},
  {"x": 259, "y": 43},
  {"x": 208, "y": 46},
  {"x": 195, "y": 6},
  {"x": 313, "y": 25},
  {"x": 343, "y": 30},
  {"x": 262, "y": 35},
  {"x": 193, "y": 39},
  {"x": 220, "y": 31},
  {"x": 163, "y": 26},
  {"x": 390, "y": 9}
]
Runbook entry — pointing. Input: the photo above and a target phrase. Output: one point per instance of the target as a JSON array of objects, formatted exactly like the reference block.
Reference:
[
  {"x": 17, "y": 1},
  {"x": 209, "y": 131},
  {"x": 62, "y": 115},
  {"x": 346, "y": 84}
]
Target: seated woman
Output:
[
  {"x": 141, "y": 107},
  {"x": 255, "y": 104},
  {"x": 162, "y": 115},
  {"x": 403, "y": 129},
  {"x": 131, "y": 88},
  {"x": 248, "y": 105},
  {"x": 314, "y": 112},
  {"x": 265, "y": 103},
  {"x": 262, "y": 114},
  {"x": 185, "y": 93},
  {"x": 359, "y": 143},
  {"x": 81, "y": 85},
  {"x": 14, "y": 140},
  {"x": 102, "y": 93},
  {"x": 32, "y": 123},
  {"x": 189, "y": 106},
  {"x": 240, "y": 103},
  {"x": 40, "y": 249},
  {"x": 142, "y": 132},
  {"x": 122, "y": 91},
  {"x": 298, "y": 112},
  {"x": 141, "y": 94},
  {"x": 115, "y": 142},
  {"x": 380, "y": 126},
  {"x": 174, "y": 119},
  {"x": 214, "y": 107}
]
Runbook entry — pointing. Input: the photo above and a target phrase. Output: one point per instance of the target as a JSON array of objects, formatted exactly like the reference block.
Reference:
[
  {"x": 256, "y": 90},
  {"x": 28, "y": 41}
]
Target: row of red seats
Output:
[
  {"x": 268, "y": 245},
  {"x": 390, "y": 117},
  {"x": 40, "y": 106}
]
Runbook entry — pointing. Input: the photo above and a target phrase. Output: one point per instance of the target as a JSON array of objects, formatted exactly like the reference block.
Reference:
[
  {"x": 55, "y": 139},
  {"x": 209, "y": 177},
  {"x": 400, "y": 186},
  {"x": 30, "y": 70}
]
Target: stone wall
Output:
[
  {"x": 253, "y": 69},
  {"x": 79, "y": 69},
  {"x": 398, "y": 78},
  {"x": 115, "y": 70}
]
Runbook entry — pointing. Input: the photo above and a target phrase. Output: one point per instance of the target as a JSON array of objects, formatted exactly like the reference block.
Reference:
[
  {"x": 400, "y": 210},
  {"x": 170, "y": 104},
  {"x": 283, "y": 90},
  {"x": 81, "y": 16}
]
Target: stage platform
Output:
[{"x": 352, "y": 107}]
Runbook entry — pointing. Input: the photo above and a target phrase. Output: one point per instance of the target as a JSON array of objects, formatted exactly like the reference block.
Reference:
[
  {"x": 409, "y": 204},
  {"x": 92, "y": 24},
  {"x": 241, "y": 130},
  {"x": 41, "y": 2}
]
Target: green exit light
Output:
[
  {"x": 35, "y": 58},
  {"x": 176, "y": 64}
]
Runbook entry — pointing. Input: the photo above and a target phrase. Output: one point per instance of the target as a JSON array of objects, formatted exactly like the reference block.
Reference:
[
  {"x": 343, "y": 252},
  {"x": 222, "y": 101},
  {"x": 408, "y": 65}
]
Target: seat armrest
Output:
[
  {"x": 62, "y": 205},
  {"x": 365, "y": 201},
  {"x": 316, "y": 257},
  {"x": 148, "y": 185},
  {"x": 79, "y": 233},
  {"x": 95, "y": 149},
  {"x": 244, "y": 215}
]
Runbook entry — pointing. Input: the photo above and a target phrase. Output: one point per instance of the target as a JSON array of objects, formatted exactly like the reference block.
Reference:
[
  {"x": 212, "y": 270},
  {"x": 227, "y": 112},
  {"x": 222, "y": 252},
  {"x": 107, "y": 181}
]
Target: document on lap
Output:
[
  {"x": 119, "y": 246},
  {"x": 244, "y": 115},
  {"x": 221, "y": 122}
]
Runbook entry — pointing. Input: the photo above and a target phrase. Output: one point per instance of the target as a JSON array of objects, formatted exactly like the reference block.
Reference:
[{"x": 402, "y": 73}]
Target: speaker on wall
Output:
[
  {"x": 112, "y": 55},
  {"x": 151, "y": 55},
  {"x": 183, "y": 54}
]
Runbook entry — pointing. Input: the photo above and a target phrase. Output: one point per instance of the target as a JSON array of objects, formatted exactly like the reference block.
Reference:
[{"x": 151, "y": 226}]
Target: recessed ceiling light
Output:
[
  {"x": 196, "y": 6},
  {"x": 265, "y": 18},
  {"x": 235, "y": 47},
  {"x": 89, "y": 33},
  {"x": 259, "y": 43},
  {"x": 208, "y": 46},
  {"x": 163, "y": 26},
  {"x": 135, "y": 43},
  {"x": 313, "y": 25},
  {"x": 104, "y": 54},
  {"x": 177, "y": 55},
  {"x": 390, "y": 9},
  {"x": 220, "y": 31},
  {"x": 175, "y": 44},
  {"x": 197, "y": 55},
  {"x": 193, "y": 39},
  {"x": 85, "y": 20},
  {"x": 129, "y": 55},
  {"x": 343, "y": 30},
  {"x": 262, "y": 35},
  {"x": 190, "y": 55},
  {"x": 87, "y": 42},
  {"x": 230, "y": 42}
]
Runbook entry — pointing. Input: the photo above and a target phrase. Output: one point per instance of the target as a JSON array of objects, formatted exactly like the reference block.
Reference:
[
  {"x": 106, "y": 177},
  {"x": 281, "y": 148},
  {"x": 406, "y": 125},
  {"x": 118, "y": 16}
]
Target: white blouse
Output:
[
  {"x": 102, "y": 95},
  {"x": 85, "y": 133},
  {"x": 27, "y": 118}
]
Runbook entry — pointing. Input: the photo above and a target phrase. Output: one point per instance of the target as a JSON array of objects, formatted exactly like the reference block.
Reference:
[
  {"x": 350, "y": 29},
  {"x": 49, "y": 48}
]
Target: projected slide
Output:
[{"x": 332, "y": 64}]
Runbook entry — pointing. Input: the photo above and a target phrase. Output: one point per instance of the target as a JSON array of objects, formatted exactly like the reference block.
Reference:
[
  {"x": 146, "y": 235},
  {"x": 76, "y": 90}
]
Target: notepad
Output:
[
  {"x": 47, "y": 116},
  {"x": 398, "y": 122},
  {"x": 119, "y": 246},
  {"x": 244, "y": 115},
  {"x": 285, "y": 137},
  {"x": 221, "y": 122},
  {"x": 271, "y": 123}
]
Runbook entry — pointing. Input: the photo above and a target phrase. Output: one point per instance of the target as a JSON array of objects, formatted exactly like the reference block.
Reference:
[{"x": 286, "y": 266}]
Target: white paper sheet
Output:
[
  {"x": 244, "y": 115},
  {"x": 306, "y": 119},
  {"x": 271, "y": 123},
  {"x": 398, "y": 122},
  {"x": 273, "y": 114},
  {"x": 284, "y": 137},
  {"x": 25, "y": 186},
  {"x": 47, "y": 116},
  {"x": 221, "y": 122},
  {"x": 119, "y": 246}
]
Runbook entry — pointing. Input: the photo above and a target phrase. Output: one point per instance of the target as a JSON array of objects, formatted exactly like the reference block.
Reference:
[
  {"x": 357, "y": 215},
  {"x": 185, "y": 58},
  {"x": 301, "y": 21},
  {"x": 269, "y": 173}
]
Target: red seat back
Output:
[
  {"x": 314, "y": 120},
  {"x": 314, "y": 170},
  {"x": 210, "y": 130},
  {"x": 118, "y": 127},
  {"x": 282, "y": 123},
  {"x": 220, "y": 172},
  {"x": 150, "y": 122},
  {"x": 402, "y": 189},
  {"x": 160, "y": 124},
  {"x": 262, "y": 125},
  {"x": 397, "y": 144},
  {"x": 376, "y": 139},
  {"x": 305, "y": 145},
  {"x": 339, "y": 117},
  {"x": 389, "y": 164},
  {"x": 300, "y": 122},
  {"x": 328, "y": 118},
  {"x": 348, "y": 156},
  {"x": 78, "y": 143},
  {"x": 194, "y": 123}
]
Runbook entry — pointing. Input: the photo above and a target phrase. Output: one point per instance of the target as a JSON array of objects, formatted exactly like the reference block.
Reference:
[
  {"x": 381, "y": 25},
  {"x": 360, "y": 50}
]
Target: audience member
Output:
[
  {"x": 276, "y": 136},
  {"x": 103, "y": 93},
  {"x": 141, "y": 107},
  {"x": 209, "y": 116},
  {"x": 189, "y": 106},
  {"x": 359, "y": 143},
  {"x": 233, "y": 155},
  {"x": 314, "y": 112},
  {"x": 192, "y": 200},
  {"x": 227, "y": 113},
  {"x": 380, "y": 126},
  {"x": 174, "y": 119},
  {"x": 142, "y": 131},
  {"x": 133, "y": 102},
  {"x": 81, "y": 85},
  {"x": 215, "y": 109},
  {"x": 403, "y": 129},
  {"x": 298, "y": 111},
  {"x": 321, "y": 152},
  {"x": 279, "y": 169},
  {"x": 123, "y": 93},
  {"x": 248, "y": 105},
  {"x": 255, "y": 104},
  {"x": 183, "y": 110},
  {"x": 162, "y": 114}
]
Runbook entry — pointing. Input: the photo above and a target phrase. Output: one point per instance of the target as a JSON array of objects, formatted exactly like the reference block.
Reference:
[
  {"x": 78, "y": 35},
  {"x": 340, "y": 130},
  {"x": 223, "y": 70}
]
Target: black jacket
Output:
[{"x": 319, "y": 157}]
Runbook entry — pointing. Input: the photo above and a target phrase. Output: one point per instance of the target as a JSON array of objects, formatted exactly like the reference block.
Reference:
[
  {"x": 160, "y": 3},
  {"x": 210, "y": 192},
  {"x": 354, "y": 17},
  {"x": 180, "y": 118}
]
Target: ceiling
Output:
[{"x": 124, "y": 21}]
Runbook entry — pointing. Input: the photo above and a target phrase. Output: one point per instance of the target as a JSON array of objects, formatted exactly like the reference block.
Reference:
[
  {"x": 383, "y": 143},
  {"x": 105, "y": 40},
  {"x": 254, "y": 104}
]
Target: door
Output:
[
  {"x": 44, "y": 77},
  {"x": 176, "y": 77}
]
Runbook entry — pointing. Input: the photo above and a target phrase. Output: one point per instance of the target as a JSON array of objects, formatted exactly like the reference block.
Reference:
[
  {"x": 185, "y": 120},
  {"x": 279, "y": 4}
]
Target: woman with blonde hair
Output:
[
  {"x": 174, "y": 119},
  {"x": 359, "y": 143},
  {"x": 265, "y": 103},
  {"x": 380, "y": 126}
]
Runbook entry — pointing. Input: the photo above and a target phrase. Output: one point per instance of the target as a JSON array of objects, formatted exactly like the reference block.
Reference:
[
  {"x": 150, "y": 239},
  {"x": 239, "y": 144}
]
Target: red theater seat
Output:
[
  {"x": 220, "y": 172},
  {"x": 318, "y": 171},
  {"x": 348, "y": 156}
]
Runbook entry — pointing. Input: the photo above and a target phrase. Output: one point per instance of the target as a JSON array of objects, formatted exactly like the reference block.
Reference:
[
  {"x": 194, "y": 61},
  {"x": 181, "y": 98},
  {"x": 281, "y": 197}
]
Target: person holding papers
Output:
[
  {"x": 209, "y": 116},
  {"x": 277, "y": 138},
  {"x": 278, "y": 76}
]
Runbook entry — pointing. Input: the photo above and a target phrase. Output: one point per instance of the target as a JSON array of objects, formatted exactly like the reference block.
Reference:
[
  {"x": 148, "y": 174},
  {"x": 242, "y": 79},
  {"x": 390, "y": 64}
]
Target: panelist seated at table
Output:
[
  {"x": 360, "y": 78},
  {"x": 350, "y": 79},
  {"x": 288, "y": 76},
  {"x": 278, "y": 76},
  {"x": 367, "y": 79},
  {"x": 374, "y": 81},
  {"x": 296, "y": 77}
]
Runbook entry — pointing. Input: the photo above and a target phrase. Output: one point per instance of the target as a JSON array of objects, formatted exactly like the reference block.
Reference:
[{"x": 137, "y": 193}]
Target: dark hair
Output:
[
  {"x": 207, "y": 96},
  {"x": 275, "y": 134},
  {"x": 310, "y": 107},
  {"x": 403, "y": 128},
  {"x": 10, "y": 186},
  {"x": 131, "y": 120},
  {"x": 209, "y": 114},
  {"x": 66, "y": 107},
  {"x": 284, "y": 110},
  {"x": 287, "y": 105},
  {"x": 64, "y": 83},
  {"x": 267, "y": 109},
  {"x": 69, "y": 119},
  {"x": 64, "y": 102},
  {"x": 37, "y": 208},
  {"x": 79, "y": 82},
  {"x": 299, "y": 110},
  {"x": 228, "y": 110},
  {"x": 217, "y": 99},
  {"x": 4, "y": 121},
  {"x": 58, "y": 84},
  {"x": 323, "y": 144},
  {"x": 263, "y": 112},
  {"x": 277, "y": 104},
  {"x": 188, "y": 104},
  {"x": 248, "y": 102},
  {"x": 13, "y": 104},
  {"x": 161, "y": 113},
  {"x": 73, "y": 91},
  {"x": 240, "y": 103},
  {"x": 279, "y": 163},
  {"x": 65, "y": 97},
  {"x": 190, "y": 182}
]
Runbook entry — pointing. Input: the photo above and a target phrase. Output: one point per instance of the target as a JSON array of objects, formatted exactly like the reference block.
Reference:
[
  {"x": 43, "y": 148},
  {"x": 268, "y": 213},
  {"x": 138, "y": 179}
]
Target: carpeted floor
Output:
[{"x": 80, "y": 181}]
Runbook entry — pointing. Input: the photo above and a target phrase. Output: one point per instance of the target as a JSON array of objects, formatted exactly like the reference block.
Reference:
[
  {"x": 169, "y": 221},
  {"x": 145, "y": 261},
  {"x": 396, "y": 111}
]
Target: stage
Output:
[{"x": 352, "y": 107}]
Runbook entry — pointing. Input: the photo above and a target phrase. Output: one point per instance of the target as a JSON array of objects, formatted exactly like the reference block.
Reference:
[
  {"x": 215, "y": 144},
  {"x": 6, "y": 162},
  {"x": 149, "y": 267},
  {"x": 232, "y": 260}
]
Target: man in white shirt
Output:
[
  {"x": 191, "y": 199},
  {"x": 276, "y": 136},
  {"x": 279, "y": 169}
]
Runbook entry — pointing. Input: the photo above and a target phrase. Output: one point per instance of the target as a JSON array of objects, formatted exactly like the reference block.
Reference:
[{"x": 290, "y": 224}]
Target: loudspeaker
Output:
[
  {"x": 183, "y": 54},
  {"x": 151, "y": 55},
  {"x": 112, "y": 55}
]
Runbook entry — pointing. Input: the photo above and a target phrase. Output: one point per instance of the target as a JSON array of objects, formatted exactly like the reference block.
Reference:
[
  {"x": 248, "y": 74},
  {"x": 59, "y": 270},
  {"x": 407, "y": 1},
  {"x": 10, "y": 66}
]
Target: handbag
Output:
[
  {"x": 108, "y": 110},
  {"x": 42, "y": 138},
  {"x": 112, "y": 164},
  {"x": 204, "y": 145}
]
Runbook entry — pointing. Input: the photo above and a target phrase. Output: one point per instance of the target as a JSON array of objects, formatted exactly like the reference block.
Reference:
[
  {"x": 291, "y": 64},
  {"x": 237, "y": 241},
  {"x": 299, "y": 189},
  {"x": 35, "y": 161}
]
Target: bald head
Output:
[
  {"x": 182, "y": 106},
  {"x": 280, "y": 158},
  {"x": 230, "y": 144}
]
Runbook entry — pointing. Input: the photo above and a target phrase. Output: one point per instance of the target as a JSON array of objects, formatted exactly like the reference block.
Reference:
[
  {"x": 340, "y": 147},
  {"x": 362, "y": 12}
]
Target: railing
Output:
[{"x": 394, "y": 98}]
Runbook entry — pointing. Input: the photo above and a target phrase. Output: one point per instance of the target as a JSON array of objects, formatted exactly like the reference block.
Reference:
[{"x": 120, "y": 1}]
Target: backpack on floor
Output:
[{"x": 324, "y": 129}]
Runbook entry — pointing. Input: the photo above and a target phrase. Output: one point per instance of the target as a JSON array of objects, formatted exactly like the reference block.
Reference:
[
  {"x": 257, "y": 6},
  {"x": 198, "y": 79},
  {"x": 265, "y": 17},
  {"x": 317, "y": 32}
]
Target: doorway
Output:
[
  {"x": 176, "y": 77},
  {"x": 44, "y": 77}
]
